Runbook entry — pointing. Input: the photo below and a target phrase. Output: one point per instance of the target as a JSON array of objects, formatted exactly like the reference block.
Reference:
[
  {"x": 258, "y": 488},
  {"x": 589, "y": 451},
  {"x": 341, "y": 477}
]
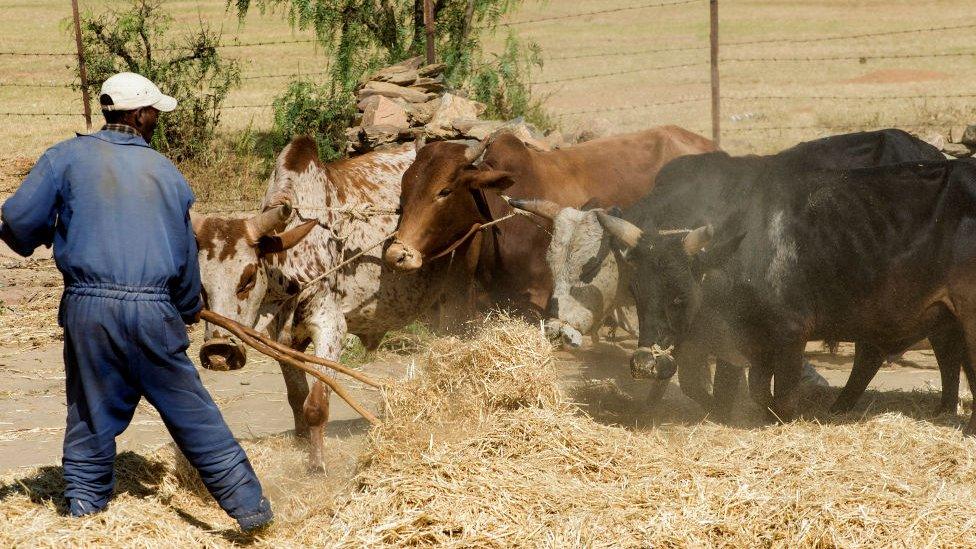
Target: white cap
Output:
[{"x": 130, "y": 91}]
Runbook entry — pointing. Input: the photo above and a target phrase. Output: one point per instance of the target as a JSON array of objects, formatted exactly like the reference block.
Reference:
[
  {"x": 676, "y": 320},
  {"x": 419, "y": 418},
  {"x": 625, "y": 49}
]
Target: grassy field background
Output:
[{"x": 598, "y": 68}]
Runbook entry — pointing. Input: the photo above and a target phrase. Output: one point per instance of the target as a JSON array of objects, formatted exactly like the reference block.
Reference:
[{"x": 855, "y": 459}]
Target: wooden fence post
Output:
[
  {"x": 429, "y": 27},
  {"x": 82, "y": 71},
  {"x": 716, "y": 97}
]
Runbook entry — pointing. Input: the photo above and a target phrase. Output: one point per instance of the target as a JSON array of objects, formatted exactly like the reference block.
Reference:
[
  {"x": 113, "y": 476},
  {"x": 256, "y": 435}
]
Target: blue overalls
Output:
[{"x": 117, "y": 213}]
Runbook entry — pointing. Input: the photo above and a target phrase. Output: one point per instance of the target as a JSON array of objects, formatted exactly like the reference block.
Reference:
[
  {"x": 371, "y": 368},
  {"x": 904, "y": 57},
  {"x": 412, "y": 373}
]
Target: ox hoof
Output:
[
  {"x": 315, "y": 468},
  {"x": 643, "y": 365}
]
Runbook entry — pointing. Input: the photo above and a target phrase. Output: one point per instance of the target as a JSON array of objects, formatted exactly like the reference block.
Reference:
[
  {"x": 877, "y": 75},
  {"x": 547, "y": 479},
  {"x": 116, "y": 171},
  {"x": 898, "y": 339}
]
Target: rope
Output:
[
  {"x": 475, "y": 228},
  {"x": 356, "y": 256},
  {"x": 657, "y": 352}
]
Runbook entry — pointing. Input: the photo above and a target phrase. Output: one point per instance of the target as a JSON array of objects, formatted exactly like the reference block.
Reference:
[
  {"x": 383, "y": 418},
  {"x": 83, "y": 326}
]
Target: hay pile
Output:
[{"x": 479, "y": 450}]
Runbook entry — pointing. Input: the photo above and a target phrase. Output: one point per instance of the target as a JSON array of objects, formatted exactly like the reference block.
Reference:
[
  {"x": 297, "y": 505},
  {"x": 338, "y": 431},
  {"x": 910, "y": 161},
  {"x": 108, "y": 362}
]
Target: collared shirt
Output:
[{"x": 121, "y": 128}]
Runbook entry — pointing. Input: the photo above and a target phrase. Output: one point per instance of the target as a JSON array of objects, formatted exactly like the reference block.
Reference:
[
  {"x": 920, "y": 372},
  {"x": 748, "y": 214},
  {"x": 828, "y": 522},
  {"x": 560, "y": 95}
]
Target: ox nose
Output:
[
  {"x": 223, "y": 353},
  {"x": 402, "y": 257},
  {"x": 557, "y": 330},
  {"x": 646, "y": 364}
]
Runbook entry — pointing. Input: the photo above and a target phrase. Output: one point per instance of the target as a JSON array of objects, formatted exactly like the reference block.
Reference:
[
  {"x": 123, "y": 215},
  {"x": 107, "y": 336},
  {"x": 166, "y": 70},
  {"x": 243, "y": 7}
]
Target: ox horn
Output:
[
  {"x": 538, "y": 206},
  {"x": 267, "y": 221},
  {"x": 697, "y": 239},
  {"x": 420, "y": 142},
  {"x": 624, "y": 231},
  {"x": 475, "y": 152},
  {"x": 196, "y": 221}
]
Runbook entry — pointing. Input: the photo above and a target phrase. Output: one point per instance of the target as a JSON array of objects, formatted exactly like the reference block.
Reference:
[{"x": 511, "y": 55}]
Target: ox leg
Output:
[
  {"x": 327, "y": 334},
  {"x": 760, "y": 377},
  {"x": 297, "y": 387},
  {"x": 693, "y": 376},
  {"x": 868, "y": 359},
  {"x": 949, "y": 346},
  {"x": 787, "y": 370},
  {"x": 725, "y": 389}
]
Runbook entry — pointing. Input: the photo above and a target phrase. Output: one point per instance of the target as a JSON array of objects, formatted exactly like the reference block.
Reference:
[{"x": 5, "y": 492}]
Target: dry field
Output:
[{"x": 535, "y": 471}]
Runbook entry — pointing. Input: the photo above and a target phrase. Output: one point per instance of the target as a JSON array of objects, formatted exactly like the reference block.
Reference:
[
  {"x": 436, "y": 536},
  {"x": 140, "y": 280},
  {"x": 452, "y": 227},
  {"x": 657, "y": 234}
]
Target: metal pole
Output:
[
  {"x": 82, "y": 71},
  {"x": 716, "y": 114},
  {"x": 429, "y": 27}
]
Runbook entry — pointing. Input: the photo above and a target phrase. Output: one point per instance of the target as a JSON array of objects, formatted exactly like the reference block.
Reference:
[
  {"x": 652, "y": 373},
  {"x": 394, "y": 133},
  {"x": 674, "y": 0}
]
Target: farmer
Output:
[{"x": 117, "y": 213}]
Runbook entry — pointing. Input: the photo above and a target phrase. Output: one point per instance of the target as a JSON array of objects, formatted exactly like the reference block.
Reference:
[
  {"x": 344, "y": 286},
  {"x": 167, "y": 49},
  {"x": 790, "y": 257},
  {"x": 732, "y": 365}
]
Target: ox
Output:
[
  {"x": 257, "y": 270},
  {"x": 591, "y": 277},
  {"x": 446, "y": 192},
  {"x": 881, "y": 256}
]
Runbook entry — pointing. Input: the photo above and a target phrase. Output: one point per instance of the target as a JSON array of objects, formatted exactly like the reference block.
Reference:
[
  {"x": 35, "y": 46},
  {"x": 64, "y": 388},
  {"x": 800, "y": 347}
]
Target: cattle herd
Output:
[{"x": 867, "y": 238}]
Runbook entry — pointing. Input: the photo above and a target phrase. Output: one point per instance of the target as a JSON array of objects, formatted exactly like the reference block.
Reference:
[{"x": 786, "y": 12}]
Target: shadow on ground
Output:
[{"x": 604, "y": 389}]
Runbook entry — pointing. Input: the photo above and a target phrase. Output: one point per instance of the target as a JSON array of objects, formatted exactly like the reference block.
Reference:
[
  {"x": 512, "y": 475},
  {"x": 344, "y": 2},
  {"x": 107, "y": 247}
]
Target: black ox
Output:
[{"x": 871, "y": 255}]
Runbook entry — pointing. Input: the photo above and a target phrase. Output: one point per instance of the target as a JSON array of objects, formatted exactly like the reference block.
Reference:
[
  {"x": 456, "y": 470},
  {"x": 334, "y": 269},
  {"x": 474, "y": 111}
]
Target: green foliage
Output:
[
  {"x": 188, "y": 67},
  {"x": 366, "y": 34},
  {"x": 321, "y": 111},
  {"x": 503, "y": 85}
]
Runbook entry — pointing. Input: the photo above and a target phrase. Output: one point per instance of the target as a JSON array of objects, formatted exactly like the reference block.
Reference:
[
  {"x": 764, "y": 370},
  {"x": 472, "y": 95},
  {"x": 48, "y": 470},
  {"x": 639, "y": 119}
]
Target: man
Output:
[{"x": 117, "y": 213}]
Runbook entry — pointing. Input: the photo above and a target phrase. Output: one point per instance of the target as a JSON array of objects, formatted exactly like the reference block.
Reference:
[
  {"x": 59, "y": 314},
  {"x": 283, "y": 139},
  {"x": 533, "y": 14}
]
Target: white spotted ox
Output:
[{"x": 257, "y": 270}]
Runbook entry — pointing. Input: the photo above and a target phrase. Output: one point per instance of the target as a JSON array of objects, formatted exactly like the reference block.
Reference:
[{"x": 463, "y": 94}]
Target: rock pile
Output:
[
  {"x": 409, "y": 100},
  {"x": 959, "y": 142}
]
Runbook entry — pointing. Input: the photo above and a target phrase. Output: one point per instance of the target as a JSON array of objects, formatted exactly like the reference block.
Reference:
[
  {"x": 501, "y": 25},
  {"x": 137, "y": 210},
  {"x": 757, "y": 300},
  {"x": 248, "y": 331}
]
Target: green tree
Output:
[
  {"x": 188, "y": 67},
  {"x": 366, "y": 34}
]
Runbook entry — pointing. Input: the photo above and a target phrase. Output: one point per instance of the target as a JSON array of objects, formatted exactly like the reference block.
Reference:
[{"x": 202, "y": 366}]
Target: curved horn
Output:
[
  {"x": 624, "y": 231},
  {"x": 697, "y": 239},
  {"x": 196, "y": 221},
  {"x": 475, "y": 152},
  {"x": 538, "y": 206},
  {"x": 267, "y": 221}
]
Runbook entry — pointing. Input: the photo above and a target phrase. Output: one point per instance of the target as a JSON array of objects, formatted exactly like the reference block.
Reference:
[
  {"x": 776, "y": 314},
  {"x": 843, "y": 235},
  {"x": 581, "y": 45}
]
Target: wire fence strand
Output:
[{"x": 599, "y": 12}]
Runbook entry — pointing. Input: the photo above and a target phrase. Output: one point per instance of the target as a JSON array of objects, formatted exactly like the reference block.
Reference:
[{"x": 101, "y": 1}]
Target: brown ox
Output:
[{"x": 451, "y": 187}]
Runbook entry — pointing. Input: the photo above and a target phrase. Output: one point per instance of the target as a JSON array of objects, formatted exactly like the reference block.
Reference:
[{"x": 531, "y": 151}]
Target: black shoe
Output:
[{"x": 81, "y": 508}]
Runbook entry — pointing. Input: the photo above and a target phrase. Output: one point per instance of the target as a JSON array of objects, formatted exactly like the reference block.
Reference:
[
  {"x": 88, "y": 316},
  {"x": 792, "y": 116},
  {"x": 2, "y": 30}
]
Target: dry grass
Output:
[
  {"x": 32, "y": 318},
  {"x": 479, "y": 450}
]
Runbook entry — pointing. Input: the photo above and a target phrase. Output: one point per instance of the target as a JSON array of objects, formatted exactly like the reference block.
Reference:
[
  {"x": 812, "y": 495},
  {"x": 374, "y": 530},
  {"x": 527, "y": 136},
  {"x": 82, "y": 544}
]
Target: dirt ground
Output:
[{"x": 32, "y": 401}]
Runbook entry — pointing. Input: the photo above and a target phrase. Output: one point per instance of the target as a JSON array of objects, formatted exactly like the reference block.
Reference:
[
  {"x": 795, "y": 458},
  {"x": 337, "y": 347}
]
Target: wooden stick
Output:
[
  {"x": 259, "y": 344},
  {"x": 230, "y": 325}
]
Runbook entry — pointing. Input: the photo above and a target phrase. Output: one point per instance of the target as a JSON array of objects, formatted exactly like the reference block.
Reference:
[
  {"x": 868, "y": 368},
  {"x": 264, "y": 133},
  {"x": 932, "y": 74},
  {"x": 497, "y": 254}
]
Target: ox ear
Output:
[
  {"x": 272, "y": 244},
  {"x": 487, "y": 180},
  {"x": 697, "y": 239}
]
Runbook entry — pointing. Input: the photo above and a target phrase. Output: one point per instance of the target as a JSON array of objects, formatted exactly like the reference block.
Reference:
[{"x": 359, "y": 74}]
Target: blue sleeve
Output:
[
  {"x": 30, "y": 215},
  {"x": 186, "y": 290}
]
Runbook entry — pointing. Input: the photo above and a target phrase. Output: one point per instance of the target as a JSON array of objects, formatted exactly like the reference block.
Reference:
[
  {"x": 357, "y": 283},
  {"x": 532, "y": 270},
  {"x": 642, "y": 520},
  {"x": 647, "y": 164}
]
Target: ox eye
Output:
[{"x": 444, "y": 192}]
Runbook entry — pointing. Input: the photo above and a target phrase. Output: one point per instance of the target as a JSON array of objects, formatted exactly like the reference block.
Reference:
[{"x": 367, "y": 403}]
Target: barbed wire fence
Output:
[{"x": 742, "y": 123}]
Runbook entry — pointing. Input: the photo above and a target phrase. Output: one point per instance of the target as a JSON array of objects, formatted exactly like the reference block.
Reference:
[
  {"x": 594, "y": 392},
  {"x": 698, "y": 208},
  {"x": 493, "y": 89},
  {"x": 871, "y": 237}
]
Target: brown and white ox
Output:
[
  {"x": 452, "y": 187},
  {"x": 256, "y": 270}
]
